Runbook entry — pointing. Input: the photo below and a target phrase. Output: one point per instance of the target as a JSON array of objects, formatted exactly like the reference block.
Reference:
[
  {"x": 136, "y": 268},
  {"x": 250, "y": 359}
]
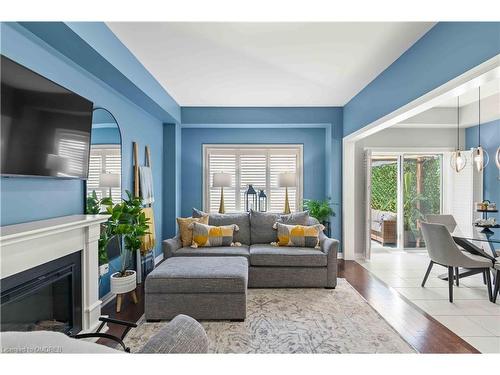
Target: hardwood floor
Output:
[{"x": 419, "y": 329}]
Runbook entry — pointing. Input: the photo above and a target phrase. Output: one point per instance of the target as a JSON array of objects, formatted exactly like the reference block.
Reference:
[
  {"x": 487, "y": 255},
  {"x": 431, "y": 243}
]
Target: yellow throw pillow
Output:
[
  {"x": 186, "y": 231},
  {"x": 298, "y": 235},
  {"x": 210, "y": 236}
]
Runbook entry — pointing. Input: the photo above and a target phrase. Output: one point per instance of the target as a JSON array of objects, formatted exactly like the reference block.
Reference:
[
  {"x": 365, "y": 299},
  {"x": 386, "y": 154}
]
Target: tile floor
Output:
[{"x": 471, "y": 316}]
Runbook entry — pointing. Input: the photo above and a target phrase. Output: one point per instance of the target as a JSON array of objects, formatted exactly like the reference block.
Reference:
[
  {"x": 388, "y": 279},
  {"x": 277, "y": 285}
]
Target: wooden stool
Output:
[{"x": 119, "y": 300}]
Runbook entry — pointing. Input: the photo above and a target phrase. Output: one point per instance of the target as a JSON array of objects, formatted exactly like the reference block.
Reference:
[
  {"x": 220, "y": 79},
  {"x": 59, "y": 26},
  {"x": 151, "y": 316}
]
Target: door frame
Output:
[
  {"x": 399, "y": 153},
  {"x": 352, "y": 210}
]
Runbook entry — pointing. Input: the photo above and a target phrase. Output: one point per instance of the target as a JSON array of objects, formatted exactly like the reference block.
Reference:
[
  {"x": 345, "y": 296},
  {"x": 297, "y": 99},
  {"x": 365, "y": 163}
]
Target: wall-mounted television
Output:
[{"x": 44, "y": 127}]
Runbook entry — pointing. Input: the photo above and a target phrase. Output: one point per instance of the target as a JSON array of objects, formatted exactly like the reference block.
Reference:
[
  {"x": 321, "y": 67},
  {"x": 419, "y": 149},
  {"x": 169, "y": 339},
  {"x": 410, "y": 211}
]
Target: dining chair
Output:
[
  {"x": 445, "y": 252},
  {"x": 447, "y": 220},
  {"x": 497, "y": 283}
]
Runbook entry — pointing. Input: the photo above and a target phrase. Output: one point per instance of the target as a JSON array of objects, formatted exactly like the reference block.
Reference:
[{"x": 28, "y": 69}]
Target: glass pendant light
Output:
[
  {"x": 458, "y": 160},
  {"x": 481, "y": 157}
]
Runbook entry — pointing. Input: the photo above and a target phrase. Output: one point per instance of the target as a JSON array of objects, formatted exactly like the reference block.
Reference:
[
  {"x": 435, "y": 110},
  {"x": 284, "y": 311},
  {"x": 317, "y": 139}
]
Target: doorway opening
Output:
[{"x": 403, "y": 188}]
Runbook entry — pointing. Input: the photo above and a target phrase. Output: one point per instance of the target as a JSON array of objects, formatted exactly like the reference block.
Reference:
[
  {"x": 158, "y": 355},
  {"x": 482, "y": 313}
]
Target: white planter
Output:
[{"x": 121, "y": 285}]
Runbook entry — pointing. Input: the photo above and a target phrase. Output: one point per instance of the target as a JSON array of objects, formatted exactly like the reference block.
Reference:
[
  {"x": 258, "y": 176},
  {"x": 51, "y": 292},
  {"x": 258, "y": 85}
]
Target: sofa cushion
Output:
[
  {"x": 199, "y": 275},
  {"x": 261, "y": 227},
  {"x": 272, "y": 256},
  {"x": 213, "y": 251},
  {"x": 242, "y": 220}
]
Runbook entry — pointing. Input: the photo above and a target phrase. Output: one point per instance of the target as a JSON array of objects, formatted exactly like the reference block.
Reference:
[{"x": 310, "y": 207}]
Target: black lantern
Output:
[
  {"x": 262, "y": 201},
  {"x": 250, "y": 199}
]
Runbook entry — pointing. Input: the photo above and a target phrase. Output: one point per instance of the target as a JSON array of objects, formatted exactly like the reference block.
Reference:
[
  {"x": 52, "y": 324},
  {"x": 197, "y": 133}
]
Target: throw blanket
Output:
[{"x": 146, "y": 185}]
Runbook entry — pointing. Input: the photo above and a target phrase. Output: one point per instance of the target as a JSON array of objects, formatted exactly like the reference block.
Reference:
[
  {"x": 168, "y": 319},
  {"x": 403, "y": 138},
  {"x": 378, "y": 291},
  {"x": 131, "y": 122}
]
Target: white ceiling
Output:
[
  {"x": 444, "y": 115},
  {"x": 266, "y": 64}
]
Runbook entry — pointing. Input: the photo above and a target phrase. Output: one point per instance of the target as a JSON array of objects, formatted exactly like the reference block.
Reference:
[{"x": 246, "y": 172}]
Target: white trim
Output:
[
  {"x": 318, "y": 125},
  {"x": 248, "y": 147},
  {"x": 28, "y": 245},
  {"x": 469, "y": 80},
  {"x": 158, "y": 259}
]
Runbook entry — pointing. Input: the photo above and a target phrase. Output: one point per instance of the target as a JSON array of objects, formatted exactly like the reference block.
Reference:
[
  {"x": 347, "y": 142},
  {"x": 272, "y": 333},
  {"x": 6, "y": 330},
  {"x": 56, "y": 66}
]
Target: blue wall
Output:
[
  {"x": 106, "y": 136},
  {"x": 490, "y": 141},
  {"x": 319, "y": 129},
  {"x": 446, "y": 51},
  {"x": 26, "y": 199}
]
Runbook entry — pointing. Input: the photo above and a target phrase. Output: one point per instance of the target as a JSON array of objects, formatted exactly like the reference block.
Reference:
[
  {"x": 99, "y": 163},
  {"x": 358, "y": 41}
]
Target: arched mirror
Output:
[{"x": 105, "y": 165}]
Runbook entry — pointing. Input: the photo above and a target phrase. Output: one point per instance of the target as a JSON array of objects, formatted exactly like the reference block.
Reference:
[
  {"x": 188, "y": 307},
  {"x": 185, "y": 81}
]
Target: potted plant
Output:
[
  {"x": 321, "y": 210},
  {"x": 129, "y": 224},
  {"x": 93, "y": 207},
  {"x": 412, "y": 215}
]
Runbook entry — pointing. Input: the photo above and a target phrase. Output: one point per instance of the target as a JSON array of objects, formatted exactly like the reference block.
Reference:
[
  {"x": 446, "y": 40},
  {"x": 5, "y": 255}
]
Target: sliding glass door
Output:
[
  {"x": 421, "y": 194},
  {"x": 404, "y": 188}
]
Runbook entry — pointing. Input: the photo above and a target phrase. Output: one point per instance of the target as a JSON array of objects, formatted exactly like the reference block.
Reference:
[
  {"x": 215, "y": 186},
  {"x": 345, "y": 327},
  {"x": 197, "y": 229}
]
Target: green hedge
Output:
[{"x": 384, "y": 187}]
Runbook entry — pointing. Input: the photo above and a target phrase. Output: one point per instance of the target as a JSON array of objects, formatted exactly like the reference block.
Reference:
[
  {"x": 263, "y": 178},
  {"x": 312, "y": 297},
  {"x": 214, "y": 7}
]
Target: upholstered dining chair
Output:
[
  {"x": 447, "y": 220},
  {"x": 445, "y": 252},
  {"x": 497, "y": 283}
]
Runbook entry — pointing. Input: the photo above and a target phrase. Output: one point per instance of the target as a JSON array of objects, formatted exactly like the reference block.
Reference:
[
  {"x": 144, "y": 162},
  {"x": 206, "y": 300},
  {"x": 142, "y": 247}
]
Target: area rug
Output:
[{"x": 297, "y": 321}]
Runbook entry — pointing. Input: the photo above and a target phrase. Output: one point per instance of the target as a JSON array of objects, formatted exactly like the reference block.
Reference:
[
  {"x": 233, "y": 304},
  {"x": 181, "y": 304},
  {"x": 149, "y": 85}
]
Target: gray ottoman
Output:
[{"x": 201, "y": 287}]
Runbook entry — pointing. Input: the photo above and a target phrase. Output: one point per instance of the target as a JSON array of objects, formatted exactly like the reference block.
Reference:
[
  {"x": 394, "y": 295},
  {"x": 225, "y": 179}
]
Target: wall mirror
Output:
[{"x": 105, "y": 165}]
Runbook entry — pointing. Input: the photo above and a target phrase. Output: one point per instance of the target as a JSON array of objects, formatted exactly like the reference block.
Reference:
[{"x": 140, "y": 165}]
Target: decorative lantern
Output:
[
  {"x": 262, "y": 201},
  {"x": 250, "y": 199}
]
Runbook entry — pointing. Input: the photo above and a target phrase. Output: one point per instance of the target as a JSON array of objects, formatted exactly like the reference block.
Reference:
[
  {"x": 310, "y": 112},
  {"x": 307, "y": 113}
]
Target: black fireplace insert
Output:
[{"x": 47, "y": 297}]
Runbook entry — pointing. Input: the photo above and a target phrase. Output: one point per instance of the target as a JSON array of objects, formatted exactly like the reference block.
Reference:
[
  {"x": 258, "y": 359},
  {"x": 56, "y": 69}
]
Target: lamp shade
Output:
[
  {"x": 221, "y": 180},
  {"x": 286, "y": 179},
  {"x": 109, "y": 180}
]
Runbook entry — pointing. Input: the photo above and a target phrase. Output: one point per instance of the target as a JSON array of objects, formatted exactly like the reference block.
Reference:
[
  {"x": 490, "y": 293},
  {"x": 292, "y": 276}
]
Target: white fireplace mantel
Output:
[{"x": 27, "y": 245}]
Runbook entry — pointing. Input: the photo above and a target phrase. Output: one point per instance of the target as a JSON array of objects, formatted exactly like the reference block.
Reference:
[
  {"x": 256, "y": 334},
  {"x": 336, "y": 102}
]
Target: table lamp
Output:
[
  {"x": 286, "y": 180},
  {"x": 221, "y": 180}
]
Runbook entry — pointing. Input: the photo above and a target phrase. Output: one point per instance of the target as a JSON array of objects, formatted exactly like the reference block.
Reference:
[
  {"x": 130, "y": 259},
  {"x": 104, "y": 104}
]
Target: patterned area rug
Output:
[{"x": 297, "y": 321}]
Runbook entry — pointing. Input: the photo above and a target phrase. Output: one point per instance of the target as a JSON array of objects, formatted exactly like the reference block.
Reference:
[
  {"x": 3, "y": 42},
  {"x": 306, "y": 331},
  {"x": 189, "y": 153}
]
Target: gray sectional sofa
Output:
[{"x": 269, "y": 266}]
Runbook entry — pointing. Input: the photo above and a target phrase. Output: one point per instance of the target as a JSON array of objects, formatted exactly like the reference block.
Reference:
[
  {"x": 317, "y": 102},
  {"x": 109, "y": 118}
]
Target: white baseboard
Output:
[
  {"x": 158, "y": 259},
  {"x": 107, "y": 298}
]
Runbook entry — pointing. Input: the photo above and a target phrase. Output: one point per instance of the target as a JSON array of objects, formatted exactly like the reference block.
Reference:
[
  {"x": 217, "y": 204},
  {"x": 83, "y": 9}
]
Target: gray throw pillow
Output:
[
  {"x": 296, "y": 218},
  {"x": 261, "y": 227},
  {"x": 242, "y": 220}
]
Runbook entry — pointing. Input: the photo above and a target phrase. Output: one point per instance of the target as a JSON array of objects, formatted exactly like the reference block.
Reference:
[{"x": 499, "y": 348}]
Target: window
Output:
[
  {"x": 258, "y": 165},
  {"x": 104, "y": 159}
]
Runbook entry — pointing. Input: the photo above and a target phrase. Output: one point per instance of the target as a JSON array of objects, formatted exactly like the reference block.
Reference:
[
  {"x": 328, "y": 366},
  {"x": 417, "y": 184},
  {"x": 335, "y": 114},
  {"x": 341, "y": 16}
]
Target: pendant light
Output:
[
  {"x": 458, "y": 160},
  {"x": 481, "y": 157}
]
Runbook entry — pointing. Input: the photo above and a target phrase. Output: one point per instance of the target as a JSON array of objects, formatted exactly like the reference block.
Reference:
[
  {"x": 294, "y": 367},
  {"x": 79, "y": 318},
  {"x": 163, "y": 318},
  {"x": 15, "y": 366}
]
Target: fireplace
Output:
[{"x": 46, "y": 297}]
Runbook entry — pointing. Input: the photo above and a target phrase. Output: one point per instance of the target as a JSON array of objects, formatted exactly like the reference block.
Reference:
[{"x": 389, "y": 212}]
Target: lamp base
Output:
[
  {"x": 287, "y": 203},
  {"x": 222, "y": 209}
]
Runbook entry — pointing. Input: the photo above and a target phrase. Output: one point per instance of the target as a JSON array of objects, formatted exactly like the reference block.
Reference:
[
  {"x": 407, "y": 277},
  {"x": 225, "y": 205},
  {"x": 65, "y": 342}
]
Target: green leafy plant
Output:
[
  {"x": 128, "y": 222},
  {"x": 319, "y": 209},
  {"x": 94, "y": 205}
]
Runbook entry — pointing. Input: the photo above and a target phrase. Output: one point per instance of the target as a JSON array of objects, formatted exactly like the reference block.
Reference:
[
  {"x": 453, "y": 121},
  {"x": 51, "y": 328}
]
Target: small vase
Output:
[{"x": 125, "y": 284}]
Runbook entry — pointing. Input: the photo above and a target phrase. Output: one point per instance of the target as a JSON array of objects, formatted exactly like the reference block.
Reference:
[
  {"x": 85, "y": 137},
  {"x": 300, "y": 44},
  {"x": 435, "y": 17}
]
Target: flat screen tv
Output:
[{"x": 44, "y": 128}]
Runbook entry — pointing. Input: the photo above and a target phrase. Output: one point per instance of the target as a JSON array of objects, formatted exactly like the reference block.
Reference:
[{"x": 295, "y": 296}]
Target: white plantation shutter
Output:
[
  {"x": 104, "y": 159},
  {"x": 253, "y": 171},
  {"x": 255, "y": 165},
  {"x": 279, "y": 163},
  {"x": 222, "y": 162}
]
